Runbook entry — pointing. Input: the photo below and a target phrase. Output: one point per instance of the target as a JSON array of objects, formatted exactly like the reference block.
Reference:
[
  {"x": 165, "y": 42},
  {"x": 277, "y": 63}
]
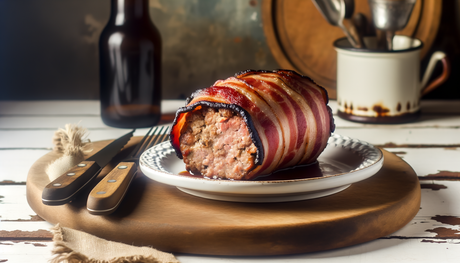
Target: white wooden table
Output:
[{"x": 431, "y": 146}]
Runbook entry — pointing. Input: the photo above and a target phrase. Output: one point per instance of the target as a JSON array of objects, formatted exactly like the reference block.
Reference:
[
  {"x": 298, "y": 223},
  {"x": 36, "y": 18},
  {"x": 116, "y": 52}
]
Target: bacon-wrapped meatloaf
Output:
[{"x": 252, "y": 124}]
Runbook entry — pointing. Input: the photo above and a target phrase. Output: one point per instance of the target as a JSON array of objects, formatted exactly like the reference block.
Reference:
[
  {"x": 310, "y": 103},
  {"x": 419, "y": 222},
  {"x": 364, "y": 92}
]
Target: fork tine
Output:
[
  {"x": 159, "y": 135},
  {"x": 151, "y": 137},
  {"x": 165, "y": 136},
  {"x": 142, "y": 142}
]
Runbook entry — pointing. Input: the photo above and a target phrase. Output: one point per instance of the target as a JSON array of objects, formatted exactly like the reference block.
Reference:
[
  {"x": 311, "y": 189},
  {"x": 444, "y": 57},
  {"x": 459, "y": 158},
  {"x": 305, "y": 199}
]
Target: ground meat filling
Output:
[{"x": 216, "y": 144}]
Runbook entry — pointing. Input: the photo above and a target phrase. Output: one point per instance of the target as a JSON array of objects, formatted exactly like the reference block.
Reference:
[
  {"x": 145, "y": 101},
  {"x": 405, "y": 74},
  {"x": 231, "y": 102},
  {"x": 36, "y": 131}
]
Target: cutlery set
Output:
[
  {"x": 388, "y": 16},
  {"x": 107, "y": 195}
]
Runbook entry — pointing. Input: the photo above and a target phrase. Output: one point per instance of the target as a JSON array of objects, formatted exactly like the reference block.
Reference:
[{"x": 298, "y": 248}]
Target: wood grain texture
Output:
[
  {"x": 108, "y": 193},
  {"x": 301, "y": 39},
  {"x": 170, "y": 220}
]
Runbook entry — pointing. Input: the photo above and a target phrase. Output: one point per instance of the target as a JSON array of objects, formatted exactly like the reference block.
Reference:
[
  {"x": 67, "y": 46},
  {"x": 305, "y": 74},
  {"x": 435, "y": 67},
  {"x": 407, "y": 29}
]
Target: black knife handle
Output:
[{"x": 63, "y": 189}]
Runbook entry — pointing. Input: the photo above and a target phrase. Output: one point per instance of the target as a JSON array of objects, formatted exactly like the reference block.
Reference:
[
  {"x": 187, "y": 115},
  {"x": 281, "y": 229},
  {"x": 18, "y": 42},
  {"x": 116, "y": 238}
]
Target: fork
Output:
[{"x": 107, "y": 195}]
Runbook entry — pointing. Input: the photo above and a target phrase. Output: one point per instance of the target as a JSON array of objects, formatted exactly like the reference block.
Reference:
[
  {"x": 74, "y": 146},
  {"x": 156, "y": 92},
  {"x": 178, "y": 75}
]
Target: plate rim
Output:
[{"x": 378, "y": 162}]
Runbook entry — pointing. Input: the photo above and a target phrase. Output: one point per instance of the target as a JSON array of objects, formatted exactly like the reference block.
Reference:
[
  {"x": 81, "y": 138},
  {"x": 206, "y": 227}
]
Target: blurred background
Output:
[{"x": 48, "y": 48}]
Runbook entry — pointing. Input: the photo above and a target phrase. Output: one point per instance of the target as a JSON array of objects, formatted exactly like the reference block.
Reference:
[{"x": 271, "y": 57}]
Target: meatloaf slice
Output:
[{"x": 216, "y": 144}]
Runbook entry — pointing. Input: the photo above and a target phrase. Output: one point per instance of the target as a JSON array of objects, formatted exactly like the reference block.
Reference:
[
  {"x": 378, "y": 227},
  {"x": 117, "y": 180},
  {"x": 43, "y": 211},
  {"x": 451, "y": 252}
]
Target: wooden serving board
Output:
[
  {"x": 165, "y": 218},
  {"x": 301, "y": 39}
]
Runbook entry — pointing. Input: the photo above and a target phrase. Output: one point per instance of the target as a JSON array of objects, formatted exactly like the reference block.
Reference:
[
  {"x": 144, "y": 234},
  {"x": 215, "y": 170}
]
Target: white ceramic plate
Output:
[{"x": 344, "y": 161}]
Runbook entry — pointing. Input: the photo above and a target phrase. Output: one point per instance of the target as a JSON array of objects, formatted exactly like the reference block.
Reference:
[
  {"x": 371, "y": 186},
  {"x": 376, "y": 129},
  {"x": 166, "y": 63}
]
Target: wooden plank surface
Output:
[{"x": 432, "y": 236}]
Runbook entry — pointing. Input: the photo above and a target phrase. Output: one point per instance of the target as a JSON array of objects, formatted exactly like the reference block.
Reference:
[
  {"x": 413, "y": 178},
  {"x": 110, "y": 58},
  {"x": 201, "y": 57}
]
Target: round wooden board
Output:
[
  {"x": 165, "y": 218},
  {"x": 301, "y": 39}
]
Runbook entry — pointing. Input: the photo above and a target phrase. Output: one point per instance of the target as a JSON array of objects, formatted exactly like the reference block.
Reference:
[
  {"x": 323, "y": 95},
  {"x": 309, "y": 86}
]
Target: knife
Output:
[{"x": 64, "y": 188}]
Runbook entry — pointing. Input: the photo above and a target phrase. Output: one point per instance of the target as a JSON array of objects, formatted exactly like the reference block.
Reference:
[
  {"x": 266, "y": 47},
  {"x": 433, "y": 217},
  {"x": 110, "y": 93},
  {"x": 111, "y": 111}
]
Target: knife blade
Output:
[{"x": 64, "y": 188}]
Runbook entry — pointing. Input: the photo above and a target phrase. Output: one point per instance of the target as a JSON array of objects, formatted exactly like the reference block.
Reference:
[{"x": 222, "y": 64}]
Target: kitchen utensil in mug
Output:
[
  {"x": 378, "y": 86},
  {"x": 335, "y": 11},
  {"x": 359, "y": 21},
  {"x": 391, "y": 16},
  {"x": 107, "y": 195}
]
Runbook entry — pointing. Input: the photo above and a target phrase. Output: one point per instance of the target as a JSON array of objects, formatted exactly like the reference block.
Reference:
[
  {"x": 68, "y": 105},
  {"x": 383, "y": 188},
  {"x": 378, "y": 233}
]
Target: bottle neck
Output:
[{"x": 124, "y": 11}]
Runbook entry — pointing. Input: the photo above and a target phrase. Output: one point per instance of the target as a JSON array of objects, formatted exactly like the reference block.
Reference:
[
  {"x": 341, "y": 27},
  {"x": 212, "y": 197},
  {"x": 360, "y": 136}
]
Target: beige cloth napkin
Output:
[{"x": 74, "y": 246}]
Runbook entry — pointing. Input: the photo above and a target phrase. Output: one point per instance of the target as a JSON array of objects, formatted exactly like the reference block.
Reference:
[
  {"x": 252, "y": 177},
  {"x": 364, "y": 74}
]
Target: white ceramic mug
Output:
[{"x": 375, "y": 86}]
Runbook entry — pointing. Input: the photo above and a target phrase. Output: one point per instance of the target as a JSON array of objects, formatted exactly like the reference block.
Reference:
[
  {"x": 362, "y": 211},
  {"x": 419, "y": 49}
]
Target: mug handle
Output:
[{"x": 437, "y": 56}]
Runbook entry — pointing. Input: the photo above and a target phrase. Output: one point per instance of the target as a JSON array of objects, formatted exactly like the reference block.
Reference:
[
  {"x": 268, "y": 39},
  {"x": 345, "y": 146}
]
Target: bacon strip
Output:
[{"x": 287, "y": 114}]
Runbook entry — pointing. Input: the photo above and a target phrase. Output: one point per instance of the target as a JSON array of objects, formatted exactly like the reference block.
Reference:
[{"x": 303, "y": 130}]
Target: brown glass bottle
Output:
[{"x": 130, "y": 67}]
